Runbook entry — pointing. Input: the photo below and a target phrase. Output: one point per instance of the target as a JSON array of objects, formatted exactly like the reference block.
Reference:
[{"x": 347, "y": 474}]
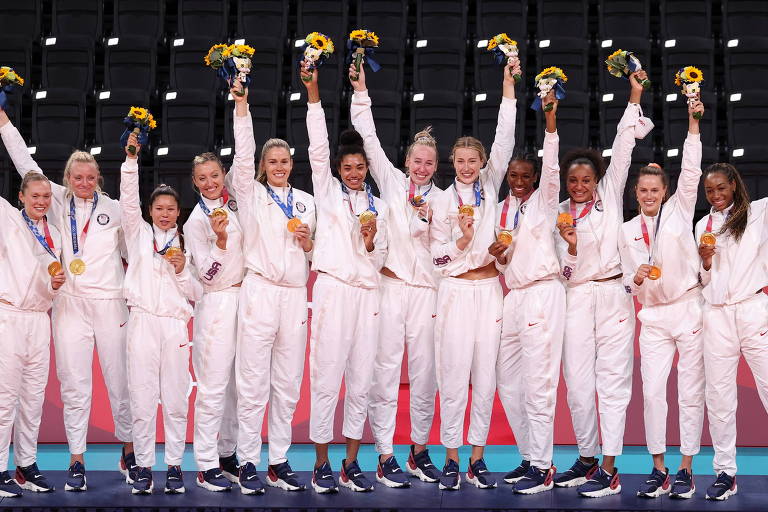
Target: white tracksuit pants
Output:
[
  {"x": 158, "y": 370},
  {"x": 271, "y": 342},
  {"x": 25, "y": 338},
  {"x": 213, "y": 359},
  {"x": 467, "y": 333},
  {"x": 729, "y": 332},
  {"x": 345, "y": 333},
  {"x": 598, "y": 356},
  {"x": 666, "y": 329},
  {"x": 78, "y": 325},
  {"x": 407, "y": 319},
  {"x": 528, "y": 367}
]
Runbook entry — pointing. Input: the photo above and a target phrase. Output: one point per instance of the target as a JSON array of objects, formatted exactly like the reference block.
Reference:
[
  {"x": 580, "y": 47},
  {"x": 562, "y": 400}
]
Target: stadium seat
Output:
[
  {"x": 111, "y": 108},
  {"x": 263, "y": 108},
  {"x": 187, "y": 69},
  {"x": 685, "y": 18},
  {"x": 744, "y": 18},
  {"x": 392, "y": 72},
  {"x": 623, "y": 18},
  {"x": 267, "y": 19},
  {"x": 296, "y": 120},
  {"x": 502, "y": 16},
  {"x": 331, "y": 77},
  {"x": 388, "y": 18},
  {"x": 750, "y": 162},
  {"x": 52, "y": 158},
  {"x": 672, "y": 163},
  {"x": 441, "y": 18},
  {"x": 444, "y": 111},
  {"x": 562, "y": 18},
  {"x": 68, "y": 63},
  {"x": 746, "y": 63},
  {"x": 488, "y": 75},
  {"x": 203, "y": 18},
  {"x": 387, "y": 111},
  {"x": 77, "y": 18},
  {"x": 747, "y": 114},
  {"x": 438, "y": 65},
  {"x": 608, "y": 83},
  {"x": 267, "y": 65},
  {"x": 58, "y": 117},
  {"x": 570, "y": 54},
  {"x": 110, "y": 158},
  {"x": 301, "y": 175},
  {"x": 327, "y": 16},
  {"x": 689, "y": 51},
  {"x": 140, "y": 18},
  {"x": 188, "y": 118},
  {"x": 130, "y": 63},
  {"x": 22, "y": 19},
  {"x": 16, "y": 52},
  {"x": 611, "y": 110},
  {"x": 485, "y": 116},
  {"x": 572, "y": 122},
  {"x": 173, "y": 166},
  {"x": 674, "y": 123}
]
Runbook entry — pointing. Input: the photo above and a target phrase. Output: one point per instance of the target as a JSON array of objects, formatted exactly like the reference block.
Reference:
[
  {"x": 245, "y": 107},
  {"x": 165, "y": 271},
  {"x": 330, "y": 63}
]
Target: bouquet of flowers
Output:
[
  {"x": 689, "y": 80},
  {"x": 139, "y": 121},
  {"x": 549, "y": 78},
  {"x": 8, "y": 81},
  {"x": 504, "y": 50},
  {"x": 622, "y": 63},
  {"x": 362, "y": 43},
  {"x": 317, "y": 48},
  {"x": 231, "y": 62}
]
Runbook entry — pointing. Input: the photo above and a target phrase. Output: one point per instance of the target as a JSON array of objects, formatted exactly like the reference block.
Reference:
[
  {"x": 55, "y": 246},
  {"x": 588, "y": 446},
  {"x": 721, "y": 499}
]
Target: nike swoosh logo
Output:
[
  {"x": 122, "y": 324},
  {"x": 250, "y": 477},
  {"x": 499, "y": 320},
  {"x": 623, "y": 319},
  {"x": 376, "y": 313},
  {"x": 532, "y": 324},
  {"x": 763, "y": 333},
  {"x": 302, "y": 323},
  {"x": 636, "y": 238},
  {"x": 182, "y": 345},
  {"x": 697, "y": 330},
  {"x": 434, "y": 316}
]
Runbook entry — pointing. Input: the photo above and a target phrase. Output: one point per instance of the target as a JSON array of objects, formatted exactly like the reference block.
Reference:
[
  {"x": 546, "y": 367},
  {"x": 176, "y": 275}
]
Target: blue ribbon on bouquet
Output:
[
  {"x": 499, "y": 56},
  {"x": 131, "y": 124},
  {"x": 559, "y": 94},
  {"x": 3, "y": 96},
  {"x": 315, "y": 65},
  {"x": 228, "y": 71},
  {"x": 352, "y": 46}
]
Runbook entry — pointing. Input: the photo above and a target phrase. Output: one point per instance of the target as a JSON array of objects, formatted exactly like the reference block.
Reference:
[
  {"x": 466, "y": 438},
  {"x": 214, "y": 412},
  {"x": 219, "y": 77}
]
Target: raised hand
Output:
[
  {"x": 239, "y": 92},
  {"x": 359, "y": 84},
  {"x": 133, "y": 141}
]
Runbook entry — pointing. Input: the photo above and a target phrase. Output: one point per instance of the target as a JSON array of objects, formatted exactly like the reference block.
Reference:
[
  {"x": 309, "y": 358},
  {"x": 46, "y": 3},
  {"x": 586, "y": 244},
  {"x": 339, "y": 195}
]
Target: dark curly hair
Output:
[
  {"x": 350, "y": 143},
  {"x": 585, "y": 156}
]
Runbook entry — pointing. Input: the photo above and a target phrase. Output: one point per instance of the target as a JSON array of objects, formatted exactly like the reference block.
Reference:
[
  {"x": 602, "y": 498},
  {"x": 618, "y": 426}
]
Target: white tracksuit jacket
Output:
[
  {"x": 465, "y": 349},
  {"x": 158, "y": 340},
  {"x": 90, "y": 310},
  {"x": 272, "y": 331},
  {"x": 735, "y": 323},
  {"x": 25, "y": 332},
  {"x": 534, "y": 314},
  {"x": 600, "y": 316},
  {"x": 407, "y": 303},
  {"x": 671, "y": 307}
]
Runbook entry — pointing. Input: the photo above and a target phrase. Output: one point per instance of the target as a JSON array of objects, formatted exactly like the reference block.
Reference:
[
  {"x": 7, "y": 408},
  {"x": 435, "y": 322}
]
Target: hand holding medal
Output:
[
  {"x": 56, "y": 271},
  {"x": 175, "y": 257},
  {"x": 368, "y": 228},
  {"x": 644, "y": 271},
  {"x": 219, "y": 220}
]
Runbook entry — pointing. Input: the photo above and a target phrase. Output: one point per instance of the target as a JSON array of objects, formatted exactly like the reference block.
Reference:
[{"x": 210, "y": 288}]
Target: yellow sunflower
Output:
[
  {"x": 20, "y": 80},
  {"x": 615, "y": 54},
  {"x": 3, "y": 73},
  {"x": 215, "y": 49},
  {"x": 152, "y": 124},
  {"x": 243, "y": 50},
  {"x": 678, "y": 81},
  {"x": 373, "y": 38},
  {"x": 692, "y": 74},
  {"x": 138, "y": 113},
  {"x": 357, "y": 35}
]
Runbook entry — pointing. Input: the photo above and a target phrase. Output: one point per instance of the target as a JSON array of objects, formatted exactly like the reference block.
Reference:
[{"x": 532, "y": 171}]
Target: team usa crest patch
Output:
[
  {"x": 300, "y": 207},
  {"x": 599, "y": 205},
  {"x": 102, "y": 219},
  {"x": 232, "y": 205}
]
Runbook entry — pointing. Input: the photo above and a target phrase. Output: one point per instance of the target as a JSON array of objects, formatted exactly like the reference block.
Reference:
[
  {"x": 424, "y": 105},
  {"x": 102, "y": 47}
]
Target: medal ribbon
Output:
[
  {"x": 77, "y": 246},
  {"x": 167, "y": 245},
  {"x": 367, "y": 189},
  {"x": 46, "y": 241},
  {"x": 709, "y": 222},
  {"x": 505, "y": 209},
  {"x": 286, "y": 207},
  {"x": 584, "y": 212},
  {"x": 475, "y": 189},
  {"x": 412, "y": 190},
  {"x": 204, "y": 207},
  {"x": 646, "y": 237}
]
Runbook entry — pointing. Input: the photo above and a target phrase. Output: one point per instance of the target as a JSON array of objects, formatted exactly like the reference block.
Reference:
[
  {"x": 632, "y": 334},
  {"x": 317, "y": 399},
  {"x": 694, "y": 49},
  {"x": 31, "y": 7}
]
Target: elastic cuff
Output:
[{"x": 315, "y": 106}]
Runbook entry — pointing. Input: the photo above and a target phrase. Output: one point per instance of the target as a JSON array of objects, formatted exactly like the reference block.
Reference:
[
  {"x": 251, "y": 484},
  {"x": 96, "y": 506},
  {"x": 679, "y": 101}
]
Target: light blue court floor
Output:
[{"x": 750, "y": 461}]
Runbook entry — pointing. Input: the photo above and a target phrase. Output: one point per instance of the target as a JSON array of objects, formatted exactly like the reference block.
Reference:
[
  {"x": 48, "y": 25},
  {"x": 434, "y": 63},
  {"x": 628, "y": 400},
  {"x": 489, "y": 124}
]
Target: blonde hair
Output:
[
  {"x": 85, "y": 158},
  {"x": 206, "y": 157},
  {"x": 30, "y": 177},
  {"x": 423, "y": 138},
  {"x": 261, "y": 175},
  {"x": 469, "y": 143}
]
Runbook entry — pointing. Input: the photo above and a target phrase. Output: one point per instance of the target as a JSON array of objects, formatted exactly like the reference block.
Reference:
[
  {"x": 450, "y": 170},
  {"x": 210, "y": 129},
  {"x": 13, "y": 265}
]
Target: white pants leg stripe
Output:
[
  {"x": 158, "y": 370},
  {"x": 25, "y": 344},
  {"x": 467, "y": 332}
]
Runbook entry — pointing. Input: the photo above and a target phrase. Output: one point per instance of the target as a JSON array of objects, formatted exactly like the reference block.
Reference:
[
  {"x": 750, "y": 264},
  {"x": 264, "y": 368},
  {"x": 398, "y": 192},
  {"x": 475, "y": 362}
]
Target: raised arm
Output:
[
  {"x": 504, "y": 141},
  {"x": 383, "y": 171},
  {"x": 319, "y": 150},
  {"x": 549, "y": 182},
  {"x": 688, "y": 182},
  {"x": 243, "y": 167},
  {"x": 130, "y": 204}
]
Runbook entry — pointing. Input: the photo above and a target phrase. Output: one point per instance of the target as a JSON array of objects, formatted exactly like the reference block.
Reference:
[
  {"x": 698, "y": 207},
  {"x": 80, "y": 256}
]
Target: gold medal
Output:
[
  {"x": 77, "y": 266},
  {"x": 171, "y": 252},
  {"x": 505, "y": 237},
  {"x": 467, "y": 209},
  {"x": 708, "y": 239},
  {"x": 294, "y": 223},
  {"x": 219, "y": 212},
  {"x": 417, "y": 201},
  {"x": 54, "y": 268},
  {"x": 565, "y": 218},
  {"x": 366, "y": 217},
  {"x": 654, "y": 273}
]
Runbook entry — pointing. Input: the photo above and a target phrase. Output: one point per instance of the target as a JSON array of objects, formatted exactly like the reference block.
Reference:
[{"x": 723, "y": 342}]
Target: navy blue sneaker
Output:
[
  {"x": 420, "y": 466},
  {"x": 127, "y": 466},
  {"x": 249, "y": 480},
  {"x": 655, "y": 485},
  {"x": 143, "y": 484},
  {"x": 577, "y": 474},
  {"x": 450, "y": 480},
  {"x": 535, "y": 481},
  {"x": 478, "y": 474},
  {"x": 723, "y": 488},
  {"x": 174, "y": 481},
  {"x": 391, "y": 474},
  {"x": 353, "y": 478},
  {"x": 519, "y": 472},
  {"x": 29, "y": 478},
  {"x": 76, "y": 480},
  {"x": 230, "y": 468},
  {"x": 282, "y": 476},
  {"x": 601, "y": 484},
  {"x": 213, "y": 480},
  {"x": 683, "y": 486},
  {"x": 8, "y": 486},
  {"x": 322, "y": 479}
]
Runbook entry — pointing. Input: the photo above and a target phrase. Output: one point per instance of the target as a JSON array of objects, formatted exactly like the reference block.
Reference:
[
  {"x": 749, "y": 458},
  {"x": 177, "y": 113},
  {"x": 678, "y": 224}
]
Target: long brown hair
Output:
[
  {"x": 736, "y": 222},
  {"x": 653, "y": 169}
]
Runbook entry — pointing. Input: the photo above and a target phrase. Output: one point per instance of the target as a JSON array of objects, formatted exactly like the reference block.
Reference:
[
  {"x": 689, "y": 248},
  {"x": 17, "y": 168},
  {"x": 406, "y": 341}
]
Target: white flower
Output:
[
  {"x": 545, "y": 85},
  {"x": 312, "y": 54}
]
